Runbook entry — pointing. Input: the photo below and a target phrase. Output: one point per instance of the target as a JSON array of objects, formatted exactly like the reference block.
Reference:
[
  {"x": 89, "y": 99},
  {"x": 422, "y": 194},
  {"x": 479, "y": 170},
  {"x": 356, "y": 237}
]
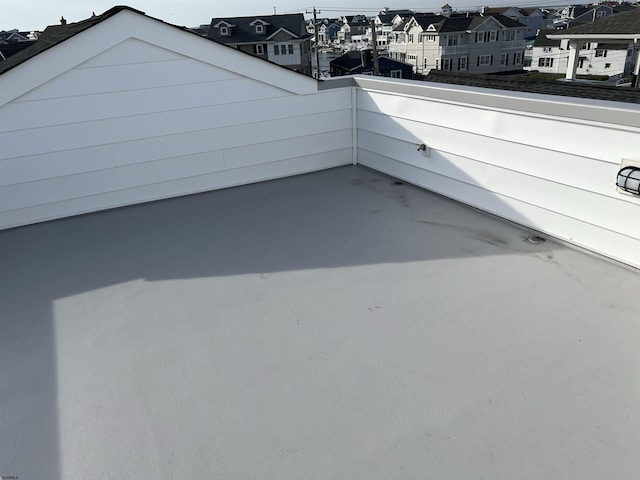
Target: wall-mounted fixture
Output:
[
  {"x": 628, "y": 179},
  {"x": 424, "y": 149}
]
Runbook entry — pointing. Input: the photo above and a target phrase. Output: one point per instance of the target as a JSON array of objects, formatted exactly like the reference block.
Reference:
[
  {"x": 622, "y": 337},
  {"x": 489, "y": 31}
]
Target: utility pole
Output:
[
  {"x": 374, "y": 45},
  {"x": 315, "y": 33}
]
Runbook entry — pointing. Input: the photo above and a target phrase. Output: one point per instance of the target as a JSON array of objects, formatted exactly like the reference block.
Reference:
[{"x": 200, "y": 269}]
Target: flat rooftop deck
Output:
[{"x": 330, "y": 325}]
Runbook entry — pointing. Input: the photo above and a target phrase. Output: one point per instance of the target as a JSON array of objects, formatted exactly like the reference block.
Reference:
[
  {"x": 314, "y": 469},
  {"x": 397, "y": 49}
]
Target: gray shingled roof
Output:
[
  {"x": 243, "y": 32},
  {"x": 460, "y": 23},
  {"x": 546, "y": 87},
  {"x": 55, "y": 34},
  {"x": 621, "y": 23},
  {"x": 543, "y": 41}
]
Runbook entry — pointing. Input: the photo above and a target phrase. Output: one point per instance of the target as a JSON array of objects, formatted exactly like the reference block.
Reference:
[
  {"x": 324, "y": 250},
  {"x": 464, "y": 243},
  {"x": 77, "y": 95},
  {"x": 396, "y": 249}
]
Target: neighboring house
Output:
[
  {"x": 534, "y": 19},
  {"x": 352, "y": 25},
  {"x": 595, "y": 58},
  {"x": 13, "y": 41},
  {"x": 573, "y": 15},
  {"x": 281, "y": 39},
  {"x": 123, "y": 108},
  {"x": 620, "y": 29},
  {"x": 385, "y": 22},
  {"x": 464, "y": 42},
  {"x": 361, "y": 62},
  {"x": 328, "y": 30}
]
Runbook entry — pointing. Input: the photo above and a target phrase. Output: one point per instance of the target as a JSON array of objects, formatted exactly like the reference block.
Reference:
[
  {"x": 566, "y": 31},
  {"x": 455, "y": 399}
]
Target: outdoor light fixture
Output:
[{"x": 629, "y": 180}]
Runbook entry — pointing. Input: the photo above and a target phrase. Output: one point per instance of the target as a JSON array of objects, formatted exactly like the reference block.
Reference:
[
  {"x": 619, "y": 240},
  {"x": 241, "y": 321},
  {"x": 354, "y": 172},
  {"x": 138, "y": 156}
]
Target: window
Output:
[
  {"x": 462, "y": 63},
  {"x": 411, "y": 38},
  {"x": 517, "y": 58},
  {"x": 412, "y": 57},
  {"x": 607, "y": 65},
  {"x": 601, "y": 14},
  {"x": 482, "y": 37},
  {"x": 446, "y": 64},
  {"x": 276, "y": 49},
  {"x": 259, "y": 49},
  {"x": 581, "y": 62},
  {"x": 545, "y": 62},
  {"x": 290, "y": 48},
  {"x": 585, "y": 46},
  {"x": 259, "y": 28},
  {"x": 452, "y": 40},
  {"x": 396, "y": 73},
  {"x": 601, "y": 53},
  {"x": 224, "y": 30},
  {"x": 504, "y": 59},
  {"x": 546, "y": 49},
  {"x": 510, "y": 35},
  {"x": 425, "y": 62},
  {"x": 485, "y": 60},
  {"x": 431, "y": 38}
]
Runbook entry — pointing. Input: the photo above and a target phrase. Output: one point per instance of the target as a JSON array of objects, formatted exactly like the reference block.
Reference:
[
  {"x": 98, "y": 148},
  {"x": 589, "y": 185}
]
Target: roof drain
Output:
[{"x": 534, "y": 240}]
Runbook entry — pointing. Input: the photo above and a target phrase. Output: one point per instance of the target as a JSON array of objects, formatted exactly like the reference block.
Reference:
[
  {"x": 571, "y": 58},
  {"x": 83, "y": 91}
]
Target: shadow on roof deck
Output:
[{"x": 327, "y": 325}]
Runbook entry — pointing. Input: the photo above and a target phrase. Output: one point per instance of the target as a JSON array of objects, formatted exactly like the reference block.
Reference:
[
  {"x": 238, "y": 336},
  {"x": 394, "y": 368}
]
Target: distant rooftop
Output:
[{"x": 602, "y": 91}]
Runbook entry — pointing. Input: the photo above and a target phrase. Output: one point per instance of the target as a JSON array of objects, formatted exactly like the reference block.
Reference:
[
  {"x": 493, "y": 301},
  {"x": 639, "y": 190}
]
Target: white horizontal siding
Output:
[
  {"x": 116, "y": 78},
  {"x": 575, "y": 137},
  {"x": 102, "y": 106},
  {"x": 115, "y": 131},
  {"x": 553, "y": 174},
  {"x": 131, "y": 51},
  {"x": 176, "y": 187}
]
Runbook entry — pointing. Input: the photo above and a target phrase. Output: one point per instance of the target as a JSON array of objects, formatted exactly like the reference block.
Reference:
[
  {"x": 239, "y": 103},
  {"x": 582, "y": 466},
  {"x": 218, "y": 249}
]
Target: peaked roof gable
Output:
[
  {"x": 281, "y": 30},
  {"x": 66, "y": 48}
]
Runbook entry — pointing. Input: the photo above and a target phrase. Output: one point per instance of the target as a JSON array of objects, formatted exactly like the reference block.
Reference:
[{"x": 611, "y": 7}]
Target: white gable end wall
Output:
[{"x": 138, "y": 121}]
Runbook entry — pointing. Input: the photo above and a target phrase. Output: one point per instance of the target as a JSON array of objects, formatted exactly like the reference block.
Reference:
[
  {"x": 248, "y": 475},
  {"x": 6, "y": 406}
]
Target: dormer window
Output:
[
  {"x": 224, "y": 30},
  {"x": 259, "y": 26}
]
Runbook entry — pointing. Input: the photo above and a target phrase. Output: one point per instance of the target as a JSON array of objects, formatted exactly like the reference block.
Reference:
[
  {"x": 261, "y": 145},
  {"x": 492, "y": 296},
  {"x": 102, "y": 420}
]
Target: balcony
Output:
[
  {"x": 453, "y": 50},
  {"x": 392, "y": 310},
  {"x": 514, "y": 45}
]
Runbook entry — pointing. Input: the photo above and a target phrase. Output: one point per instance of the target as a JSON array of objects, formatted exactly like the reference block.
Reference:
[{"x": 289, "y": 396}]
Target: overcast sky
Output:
[{"x": 37, "y": 14}]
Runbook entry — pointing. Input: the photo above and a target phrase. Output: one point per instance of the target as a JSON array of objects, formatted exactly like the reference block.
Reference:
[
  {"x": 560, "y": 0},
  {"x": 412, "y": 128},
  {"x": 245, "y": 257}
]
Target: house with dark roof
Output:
[
  {"x": 361, "y": 62},
  {"x": 281, "y": 39},
  {"x": 573, "y": 15},
  {"x": 534, "y": 19},
  {"x": 352, "y": 25},
  {"x": 13, "y": 41},
  {"x": 622, "y": 29},
  {"x": 328, "y": 29},
  {"x": 461, "y": 42}
]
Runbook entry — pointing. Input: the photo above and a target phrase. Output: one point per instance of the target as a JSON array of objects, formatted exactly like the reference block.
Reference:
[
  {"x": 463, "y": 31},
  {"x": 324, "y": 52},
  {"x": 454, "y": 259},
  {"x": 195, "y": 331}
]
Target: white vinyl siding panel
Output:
[
  {"x": 107, "y": 134},
  {"x": 510, "y": 163}
]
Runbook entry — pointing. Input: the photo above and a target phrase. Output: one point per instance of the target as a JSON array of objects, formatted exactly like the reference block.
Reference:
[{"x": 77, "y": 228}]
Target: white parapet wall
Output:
[{"x": 546, "y": 162}]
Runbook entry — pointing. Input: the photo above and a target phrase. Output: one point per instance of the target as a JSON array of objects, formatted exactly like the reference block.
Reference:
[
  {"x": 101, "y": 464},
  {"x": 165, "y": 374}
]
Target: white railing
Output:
[
  {"x": 453, "y": 50},
  {"x": 514, "y": 44}
]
